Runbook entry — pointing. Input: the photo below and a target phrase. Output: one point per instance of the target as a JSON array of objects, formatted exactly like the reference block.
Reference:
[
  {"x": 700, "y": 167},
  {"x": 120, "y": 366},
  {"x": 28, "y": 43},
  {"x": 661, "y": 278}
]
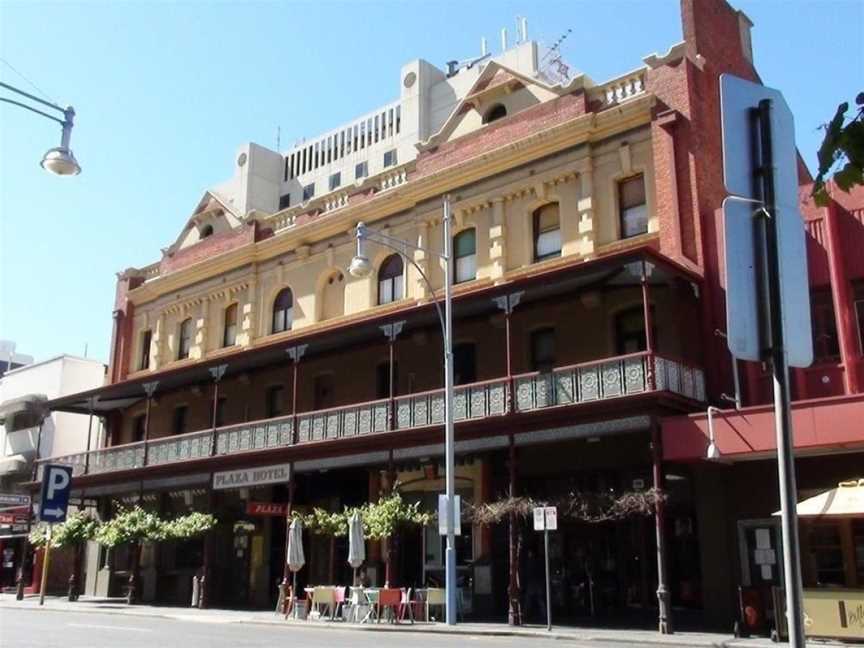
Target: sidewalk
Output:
[{"x": 600, "y": 635}]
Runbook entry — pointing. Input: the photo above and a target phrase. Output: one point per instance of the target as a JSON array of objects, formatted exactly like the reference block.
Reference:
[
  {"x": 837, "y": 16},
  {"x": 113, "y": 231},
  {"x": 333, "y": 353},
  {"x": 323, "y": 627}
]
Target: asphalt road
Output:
[{"x": 29, "y": 628}]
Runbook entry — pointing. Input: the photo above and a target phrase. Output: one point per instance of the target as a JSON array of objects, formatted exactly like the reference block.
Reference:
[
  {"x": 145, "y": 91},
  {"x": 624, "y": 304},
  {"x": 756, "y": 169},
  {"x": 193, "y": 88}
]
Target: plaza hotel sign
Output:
[{"x": 251, "y": 477}]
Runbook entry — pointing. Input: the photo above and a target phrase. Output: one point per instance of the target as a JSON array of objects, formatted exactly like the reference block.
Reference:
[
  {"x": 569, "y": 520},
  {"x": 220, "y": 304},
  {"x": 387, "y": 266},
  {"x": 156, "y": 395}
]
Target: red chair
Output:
[
  {"x": 339, "y": 601},
  {"x": 407, "y": 605},
  {"x": 390, "y": 599}
]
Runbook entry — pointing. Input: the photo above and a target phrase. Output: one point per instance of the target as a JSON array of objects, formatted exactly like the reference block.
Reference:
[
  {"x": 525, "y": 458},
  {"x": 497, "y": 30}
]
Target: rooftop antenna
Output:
[
  {"x": 521, "y": 29},
  {"x": 552, "y": 65},
  {"x": 483, "y": 46},
  {"x": 503, "y": 39},
  {"x": 278, "y": 139}
]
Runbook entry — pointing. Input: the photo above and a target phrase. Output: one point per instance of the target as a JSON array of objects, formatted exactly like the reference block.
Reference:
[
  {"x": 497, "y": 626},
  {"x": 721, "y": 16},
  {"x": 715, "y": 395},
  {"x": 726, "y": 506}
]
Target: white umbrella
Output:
[
  {"x": 847, "y": 500},
  {"x": 295, "y": 557},
  {"x": 356, "y": 543}
]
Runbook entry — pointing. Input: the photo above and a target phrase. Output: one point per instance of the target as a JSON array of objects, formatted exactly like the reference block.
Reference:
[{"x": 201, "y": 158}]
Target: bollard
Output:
[{"x": 196, "y": 589}]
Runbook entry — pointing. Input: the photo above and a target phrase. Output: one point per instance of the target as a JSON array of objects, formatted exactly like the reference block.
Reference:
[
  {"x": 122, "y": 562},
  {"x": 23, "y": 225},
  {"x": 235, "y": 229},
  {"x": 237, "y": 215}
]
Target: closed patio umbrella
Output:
[
  {"x": 356, "y": 543},
  {"x": 847, "y": 500},
  {"x": 295, "y": 557}
]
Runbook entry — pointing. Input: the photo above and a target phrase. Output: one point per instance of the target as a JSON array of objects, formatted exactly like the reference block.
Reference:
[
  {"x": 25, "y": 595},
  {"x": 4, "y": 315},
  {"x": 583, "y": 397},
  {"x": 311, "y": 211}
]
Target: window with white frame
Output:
[
  {"x": 633, "y": 210},
  {"x": 547, "y": 232},
  {"x": 465, "y": 255},
  {"x": 391, "y": 281},
  {"x": 185, "y": 339},
  {"x": 283, "y": 311},
  {"x": 390, "y": 158}
]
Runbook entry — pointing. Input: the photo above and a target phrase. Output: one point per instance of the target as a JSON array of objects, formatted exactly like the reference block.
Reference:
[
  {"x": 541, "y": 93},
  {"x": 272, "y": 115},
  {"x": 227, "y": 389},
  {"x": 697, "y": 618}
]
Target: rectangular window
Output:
[
  {"x": 308, "y": 192},
  {"x": 185, "y": 341},
  {"x": 229, "y": 337},
  {"x": 543, "y": 349},
  {"x": 335, "y": 181},
  {"x": 275, "y": 405},
  {"x": 465, "y": 252},
  {"x": 329, "y": 150},
  {"x": 376, "y": 129},
  {"x": 826, "y": 346},
  {"x": 361, "y": 170},
  {"x": 398, "y": 119},
  {"x": 284, "y": 201},
  {"x": 859, "y": 314},
  {"x": 390, "y": 158},
  {"x": 139, "y": 426},
  {"x": 464, "y": 364},
  {"x": 146, "y": 339},
  {"x": 287, "y": 172},
  {"x": 221, "y": 405},
  {"x": 178, "y": 423},
  {"x": 382, "y": 380},
  {"x": 632, "y": 206},
  {"x": 547, "y": 232},
  {"x": 369, "y": 132}
]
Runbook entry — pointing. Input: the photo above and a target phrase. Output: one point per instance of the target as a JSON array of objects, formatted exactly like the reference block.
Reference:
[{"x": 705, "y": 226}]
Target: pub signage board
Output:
[
  {"x": 266, "y": 508},
  {"x": 251, "y": 477}
]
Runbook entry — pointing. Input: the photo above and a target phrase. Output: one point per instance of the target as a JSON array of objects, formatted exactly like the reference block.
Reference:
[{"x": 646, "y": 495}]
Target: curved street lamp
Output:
[
  {"x": 362, "y": 267},
  {"x": 59, "y": 160}
]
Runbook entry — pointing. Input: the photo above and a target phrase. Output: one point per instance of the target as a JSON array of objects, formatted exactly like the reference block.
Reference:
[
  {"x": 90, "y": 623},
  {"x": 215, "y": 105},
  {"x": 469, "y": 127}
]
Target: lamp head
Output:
[
  {"x": 713, "y": 453},
  {"x": 60, "y": 161},
  {"x": 360, "y": 265}
]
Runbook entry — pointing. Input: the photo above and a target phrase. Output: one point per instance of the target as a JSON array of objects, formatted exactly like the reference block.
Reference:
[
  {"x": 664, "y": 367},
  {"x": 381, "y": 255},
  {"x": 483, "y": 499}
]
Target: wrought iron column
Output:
[
  {"x": 392, "y": 331},
  {"x": 663, "y": 597},
  {"x": 149, "y": 389},
  {"x": 295, "y": 353},
  {"x": 647, "y": 269},
  {"x": 514, "y": 612},
  {"x": 217, "y": 373}
]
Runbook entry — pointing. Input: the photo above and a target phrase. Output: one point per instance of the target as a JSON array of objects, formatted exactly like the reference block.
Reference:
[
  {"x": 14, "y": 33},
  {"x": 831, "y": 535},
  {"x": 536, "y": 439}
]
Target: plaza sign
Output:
[{"x": 250, "y": 477}]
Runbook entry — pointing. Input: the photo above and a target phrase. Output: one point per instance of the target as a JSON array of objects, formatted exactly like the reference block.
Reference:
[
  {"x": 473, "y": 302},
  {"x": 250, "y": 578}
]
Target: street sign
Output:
[
  {"x": 745, "y": 325},
  {"x": 545, "y": 518},
  {"x": 442, "y": 514},
  {"x": 56, "y": 484},
  {"x": 14, "y": 499}
]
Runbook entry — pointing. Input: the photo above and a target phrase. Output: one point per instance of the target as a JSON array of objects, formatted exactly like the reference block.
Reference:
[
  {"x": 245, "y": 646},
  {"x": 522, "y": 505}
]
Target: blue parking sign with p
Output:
[{"x": 56, "y": 485}]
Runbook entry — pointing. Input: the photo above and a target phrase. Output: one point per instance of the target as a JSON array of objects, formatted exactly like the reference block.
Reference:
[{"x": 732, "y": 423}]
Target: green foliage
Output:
[
  {"x": 842, "y": 150},
  {"x": 131, "y": 525},
  {"x": 188, "y": 526},
  {"x": 79, "y": 527},
  {"x": 39, "y": 535},
  {"x": 321, "y": 522},
  {"x": 380, "y": 519}
]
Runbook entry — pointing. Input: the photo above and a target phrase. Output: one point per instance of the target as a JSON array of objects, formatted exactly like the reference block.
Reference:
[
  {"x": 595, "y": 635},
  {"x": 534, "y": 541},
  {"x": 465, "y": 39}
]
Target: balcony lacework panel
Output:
[
  {"x": 342, "y": 422},
  {"x": 583, "y": 383}
]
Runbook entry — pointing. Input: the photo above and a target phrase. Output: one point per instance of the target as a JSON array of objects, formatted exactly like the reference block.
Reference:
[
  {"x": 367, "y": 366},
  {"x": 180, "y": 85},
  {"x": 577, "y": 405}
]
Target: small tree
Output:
[
  {"x": 325, "y": 523},
  {"x": 842, "y": 151},
  {"x": 132, "y": 526},
  {"x": 383, "y": 518},
  {"x": 191, "y": 525},
  {"x": 74, "y": 532}
]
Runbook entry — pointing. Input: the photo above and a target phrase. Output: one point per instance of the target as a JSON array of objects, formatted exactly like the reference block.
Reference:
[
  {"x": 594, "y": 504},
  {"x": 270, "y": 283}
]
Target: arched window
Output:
[
  {"x": 547, "y": 232},
  {"x": 283, "y": 311},
  {"x": 205, "y": 231},
  {"x": 390, "y": 280},
  {"x": 495, "y": 112},
  {"x": 185, "y": 339},
  {"x": 465, "y": 254},
  {"x": 229, "y": 337}
]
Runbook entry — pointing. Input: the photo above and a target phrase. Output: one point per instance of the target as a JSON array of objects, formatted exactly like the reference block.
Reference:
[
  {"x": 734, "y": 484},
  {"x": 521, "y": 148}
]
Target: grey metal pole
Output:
[
  {"x": 449, "y": 444},
  {"x": 780, "y": 371},
  {"x": 548, "y": 583}
]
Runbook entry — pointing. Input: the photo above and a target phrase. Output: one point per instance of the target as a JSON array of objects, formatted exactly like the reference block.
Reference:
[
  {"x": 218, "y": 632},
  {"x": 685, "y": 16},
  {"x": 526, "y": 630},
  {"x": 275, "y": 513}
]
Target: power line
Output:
[{"x": 37, "y": 88}]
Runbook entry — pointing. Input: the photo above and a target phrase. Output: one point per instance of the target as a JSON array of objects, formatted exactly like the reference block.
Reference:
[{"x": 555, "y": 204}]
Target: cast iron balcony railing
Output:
[{"x": 583, "y": 383}]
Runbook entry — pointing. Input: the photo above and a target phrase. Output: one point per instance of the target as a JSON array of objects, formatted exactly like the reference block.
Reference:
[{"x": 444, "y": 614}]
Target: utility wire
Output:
[{"x": 37, "y": 88}]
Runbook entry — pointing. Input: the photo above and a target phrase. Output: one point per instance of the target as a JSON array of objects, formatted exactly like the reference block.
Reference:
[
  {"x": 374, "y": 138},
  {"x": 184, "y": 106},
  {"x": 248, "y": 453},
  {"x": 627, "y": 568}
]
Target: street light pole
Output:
[
  {"x": 449, "y": 443},
  {"x": 361, "y": 267},
  {"x": 59, "y": 160}
]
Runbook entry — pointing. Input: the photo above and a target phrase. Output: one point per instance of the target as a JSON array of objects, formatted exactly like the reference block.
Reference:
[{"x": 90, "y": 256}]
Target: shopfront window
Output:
[{"x": 826, "y": 551}]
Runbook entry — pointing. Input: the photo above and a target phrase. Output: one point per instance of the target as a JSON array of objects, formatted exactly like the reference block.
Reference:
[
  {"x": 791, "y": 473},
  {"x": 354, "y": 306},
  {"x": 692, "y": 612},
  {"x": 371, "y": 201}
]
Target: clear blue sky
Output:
[{"x": 165, "y": 92}]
